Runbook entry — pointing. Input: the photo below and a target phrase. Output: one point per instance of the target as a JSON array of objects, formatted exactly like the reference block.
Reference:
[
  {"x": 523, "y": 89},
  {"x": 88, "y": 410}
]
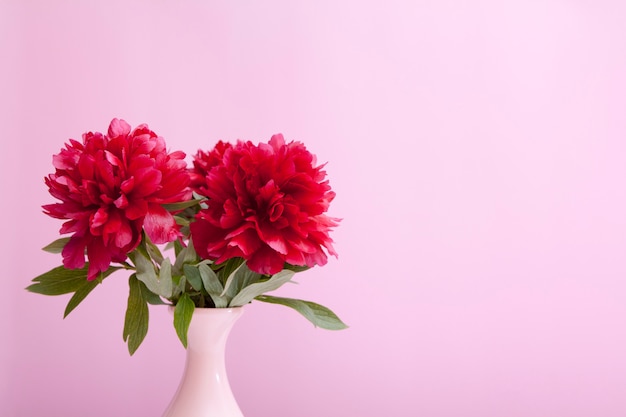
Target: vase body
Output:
[{"x": 204, "y": 390}]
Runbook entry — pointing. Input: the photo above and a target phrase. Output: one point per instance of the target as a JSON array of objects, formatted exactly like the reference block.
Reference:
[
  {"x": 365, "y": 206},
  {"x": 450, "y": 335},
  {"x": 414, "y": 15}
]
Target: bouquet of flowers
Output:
[{"x": 240, "y": 223}]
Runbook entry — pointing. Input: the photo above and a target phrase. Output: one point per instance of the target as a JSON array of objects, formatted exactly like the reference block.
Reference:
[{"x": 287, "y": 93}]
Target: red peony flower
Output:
[
  {"x": 110, "y": 187},
  {"x": 266, "y": 204}
]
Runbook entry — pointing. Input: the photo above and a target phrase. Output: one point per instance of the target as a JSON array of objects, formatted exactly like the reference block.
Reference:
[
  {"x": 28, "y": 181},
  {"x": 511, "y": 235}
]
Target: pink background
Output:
[{"x": 478, "y": 152}]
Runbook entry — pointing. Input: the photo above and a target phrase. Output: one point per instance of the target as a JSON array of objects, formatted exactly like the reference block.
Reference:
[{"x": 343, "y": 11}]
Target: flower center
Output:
[{"x": 276, "y": 211}]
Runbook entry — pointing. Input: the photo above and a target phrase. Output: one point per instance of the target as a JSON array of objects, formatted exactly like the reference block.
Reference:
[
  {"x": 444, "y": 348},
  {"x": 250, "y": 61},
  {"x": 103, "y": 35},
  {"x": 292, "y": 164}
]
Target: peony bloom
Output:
[
  {"x": 111, "y": 187},
  {"x": 266, "y": 204}
]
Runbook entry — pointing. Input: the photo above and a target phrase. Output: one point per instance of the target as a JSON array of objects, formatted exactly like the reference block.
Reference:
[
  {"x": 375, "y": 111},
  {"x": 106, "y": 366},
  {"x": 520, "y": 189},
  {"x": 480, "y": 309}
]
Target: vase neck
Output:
[{"x": 209, "y": 328}]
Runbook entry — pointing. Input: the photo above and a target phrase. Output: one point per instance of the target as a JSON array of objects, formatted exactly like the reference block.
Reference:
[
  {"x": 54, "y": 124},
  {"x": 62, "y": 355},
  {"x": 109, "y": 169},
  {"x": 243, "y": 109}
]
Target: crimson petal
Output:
[
  {"x": 266, "y": 261},
  {"x": 160, "y": 225}
]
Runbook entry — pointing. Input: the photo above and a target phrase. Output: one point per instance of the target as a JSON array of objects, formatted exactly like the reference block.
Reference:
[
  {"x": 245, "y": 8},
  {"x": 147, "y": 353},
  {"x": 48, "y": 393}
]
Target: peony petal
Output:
[
  {"x": 146, "y": 176},
  {"x": 76, "y": 225},
  {"x": 128, "y": 185},
  {"x": 266, "y": 261},
  {"x": 300, "y": 240},
  {"x": 239, "y": 230},
  {"x": 86, "y": 166},
  {"x": 137, "y": 208},
  {"x": 268, "y": 194},
  {"x": 277, "y": 141},
  {"x": 118, "y": 127},
  {"x": 74, "y": 252},
  {"x": 99, "y": 258},
  {"x": 160, "y": 225},
  {"x": 124, "y": 235},
  {"x": 317, "y": 258},
  {"x": 121, "y": 202},
  {"x": 90, "y": 193},
  {"x": 276, "y": 212},
  {"x": 113, "y": 159},
  {"x": 147, "y": 182},
  {"x": 295, "y": 257},
  {"x": 272, "y": 237},
  {"x": 221, "y": 186},
  {"x": 99, "y": 218},
  {"x": 229, "y": 253},
  {"x": 231, "y": 216},
  {"x": 57, "y": 210},
  {"x": 112, "y": 230},
  {"x": 204, "y": 233},
  {"x": 331, "y": 250},
  {"x": 248, "y": 242},
  {"x": 174, "y": 188}
]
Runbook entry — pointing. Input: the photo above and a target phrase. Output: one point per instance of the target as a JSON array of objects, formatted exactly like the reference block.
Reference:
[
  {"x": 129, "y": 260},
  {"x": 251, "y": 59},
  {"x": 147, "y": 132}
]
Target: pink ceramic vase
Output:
[{"x": 204, "y": 390}]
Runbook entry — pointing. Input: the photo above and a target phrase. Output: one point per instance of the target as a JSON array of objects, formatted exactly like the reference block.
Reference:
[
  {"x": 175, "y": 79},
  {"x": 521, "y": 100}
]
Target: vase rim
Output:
[{"x": 209, "y": 310}]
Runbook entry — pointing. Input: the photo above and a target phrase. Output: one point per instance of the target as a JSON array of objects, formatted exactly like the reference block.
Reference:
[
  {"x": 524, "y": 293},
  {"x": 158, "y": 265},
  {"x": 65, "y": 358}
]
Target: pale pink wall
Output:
[{"x": 478, "y": 152}]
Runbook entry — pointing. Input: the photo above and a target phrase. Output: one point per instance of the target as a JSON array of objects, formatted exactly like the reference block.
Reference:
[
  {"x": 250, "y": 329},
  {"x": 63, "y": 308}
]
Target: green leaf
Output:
[
  {"x": 177, "y": 247},
  {"x": 153, "y": 250},
  {"x": 241, "y": 278},
  {"x": 61, "y": 280},
  {"x": 249, "y": 292},
  {"x": 193, "y": 276},
  {"x": 182, "y": 317},
  {"x": 149, "y": 296},
  {"x": 80, "y": 295},
  {"x": 166, "y": 285},
  {"x": 228, "y": 268},
  {"x": 246, "y": 277},
  {"x": 180, "y": 287},
  {"x": 181, "y": 206},
  {"x": 146, "y": 273},
  {"x": 230, "y": 281},
  {"x": 57, "y": 246},
  {"x": 181, "y": 221},
  {"x": 296, "y": 268},
  {"x": 317, "y": 314},
  {"x": 136, "y": 320},
  {"x": 84, "y": 291},
  {"x": 186, "y": 255},
  {"x": 209, "y": 278},
  {"x": 212, "y": 285},
  {"x": 140, "y": 249}
]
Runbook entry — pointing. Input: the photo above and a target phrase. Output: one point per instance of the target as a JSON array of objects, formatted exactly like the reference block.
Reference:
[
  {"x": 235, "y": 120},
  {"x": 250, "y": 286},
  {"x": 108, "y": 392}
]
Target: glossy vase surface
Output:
[{"x": 204, "y": 390}]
